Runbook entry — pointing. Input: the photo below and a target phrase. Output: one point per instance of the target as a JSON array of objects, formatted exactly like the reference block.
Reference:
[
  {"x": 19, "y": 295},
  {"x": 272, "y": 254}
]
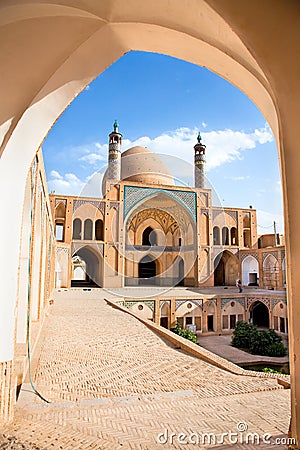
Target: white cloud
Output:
[
  {"x": 92, "y": 158},
  {"x": 223, "y": 146},
  {"x": 204, "y": 124},
  {"x": 56, "y": 175},
  {"x": 68, "y": 184},
  {"x": 93, "y": 153},
  {"x": 238, "y": 178}
]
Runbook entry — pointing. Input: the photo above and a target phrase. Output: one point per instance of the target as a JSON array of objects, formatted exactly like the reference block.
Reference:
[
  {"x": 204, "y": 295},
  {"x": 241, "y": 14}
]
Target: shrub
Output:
[
  {"x": 184, "y": 333},
  {"x": 276, "y": 349},
  {"x": 242, "y": 335},
  {"x": 259, "y": 342},
  {"x": 269, "y": 370}
]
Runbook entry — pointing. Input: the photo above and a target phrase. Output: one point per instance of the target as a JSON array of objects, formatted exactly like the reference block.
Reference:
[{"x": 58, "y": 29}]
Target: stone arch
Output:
[
  {"x": 216, "y": 235},
  {"x": 270, "y": 264},
  {"x": 225, "y": 236},
  {"x": 238, "y": 47},
  {"x": 179, "y": 272},
  {"x": 233, "y": 236},
  {"x": 149, "y": 237},
  {"x": 280, "y": 319},
  {"x": 191, "y": 311},
  {"x": 142, "y": 310},
  {"x": 93, "y": 267},
  {"x": 271, "y": 272},
  {"x": 259, "y": 314},
  {"x": 77, "y": 229},
  {"x": 88, "y": 230},
  {"x": 147, "y": 270},
  {"x": 165, "y": 314},
  {"x": 250, "y": 271},
  {"x": 232, "y": 312},
  {"x": 99, "y": 230},
  {"x": 226, "y": 269},
  {"x": 60, "y": 211}
]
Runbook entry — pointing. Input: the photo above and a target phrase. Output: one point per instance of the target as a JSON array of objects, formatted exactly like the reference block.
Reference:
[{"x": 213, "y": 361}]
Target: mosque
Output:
[{"x": 148, "y": 231}]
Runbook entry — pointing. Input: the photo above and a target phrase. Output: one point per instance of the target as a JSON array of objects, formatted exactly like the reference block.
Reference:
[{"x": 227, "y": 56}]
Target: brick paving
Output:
[{"x": 115, "y": 384}]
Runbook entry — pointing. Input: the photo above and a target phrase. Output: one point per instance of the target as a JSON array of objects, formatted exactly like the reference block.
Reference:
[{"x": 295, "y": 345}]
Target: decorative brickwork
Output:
[
  {"x": 244, "y": 255},
  {"x": 97, "y": 203},
  {"x": 265, "y": 300}
]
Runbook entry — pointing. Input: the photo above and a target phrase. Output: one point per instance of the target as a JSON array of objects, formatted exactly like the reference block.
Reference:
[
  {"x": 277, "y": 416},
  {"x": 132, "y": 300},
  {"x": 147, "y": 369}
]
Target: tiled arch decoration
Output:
[{"x": 133, "y": 195}]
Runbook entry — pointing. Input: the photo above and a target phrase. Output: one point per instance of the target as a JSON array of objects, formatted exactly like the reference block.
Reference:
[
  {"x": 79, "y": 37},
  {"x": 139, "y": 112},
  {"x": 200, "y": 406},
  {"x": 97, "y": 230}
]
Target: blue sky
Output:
[{"x": 161, "y": 102}]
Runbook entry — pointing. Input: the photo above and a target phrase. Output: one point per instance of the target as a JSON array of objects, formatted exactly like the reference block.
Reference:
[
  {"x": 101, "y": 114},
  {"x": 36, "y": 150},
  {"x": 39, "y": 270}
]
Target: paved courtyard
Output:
[
  {"x": 113, "y": 383},
  {"x": 221, "y": 345}
]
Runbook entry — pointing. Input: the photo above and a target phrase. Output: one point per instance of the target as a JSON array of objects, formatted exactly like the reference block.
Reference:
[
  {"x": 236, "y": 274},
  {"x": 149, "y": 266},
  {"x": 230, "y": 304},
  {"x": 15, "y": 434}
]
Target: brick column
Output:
[
  {"x": 204, "y": 317},
  {"x": 172, "y": 313},
  {"x": 157, "y": 311},
  {"x": 219, "y": 316}
]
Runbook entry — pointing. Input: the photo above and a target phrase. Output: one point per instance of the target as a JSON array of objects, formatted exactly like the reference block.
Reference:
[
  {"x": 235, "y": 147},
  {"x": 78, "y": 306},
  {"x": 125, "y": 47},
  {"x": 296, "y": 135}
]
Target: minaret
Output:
[
  {"x": 199, "y": 163},
  {"x": 114, "y": 155}
]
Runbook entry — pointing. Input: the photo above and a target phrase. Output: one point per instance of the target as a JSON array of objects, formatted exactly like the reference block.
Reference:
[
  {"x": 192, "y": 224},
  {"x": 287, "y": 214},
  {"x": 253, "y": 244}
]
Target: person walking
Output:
[{"x": 239, "y": 285}]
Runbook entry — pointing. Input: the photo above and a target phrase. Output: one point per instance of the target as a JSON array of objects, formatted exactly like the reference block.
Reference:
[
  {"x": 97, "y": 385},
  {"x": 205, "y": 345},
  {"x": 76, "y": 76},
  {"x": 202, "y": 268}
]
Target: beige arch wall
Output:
[{"x": 48, "y": 54}]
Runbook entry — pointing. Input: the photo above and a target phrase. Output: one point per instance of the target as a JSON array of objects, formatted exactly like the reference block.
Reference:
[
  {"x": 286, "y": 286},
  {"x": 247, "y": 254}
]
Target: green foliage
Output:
[
  {"x": 184, "y": 333},
  {"x": 242, "y": 335},
  {"x": 269, "y": 370},
  {"x": 258, "y": 342}
]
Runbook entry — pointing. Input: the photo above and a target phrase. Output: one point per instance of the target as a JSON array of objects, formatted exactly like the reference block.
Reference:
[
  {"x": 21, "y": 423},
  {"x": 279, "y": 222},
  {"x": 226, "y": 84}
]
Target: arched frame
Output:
[{"x": 241, "y": 46}]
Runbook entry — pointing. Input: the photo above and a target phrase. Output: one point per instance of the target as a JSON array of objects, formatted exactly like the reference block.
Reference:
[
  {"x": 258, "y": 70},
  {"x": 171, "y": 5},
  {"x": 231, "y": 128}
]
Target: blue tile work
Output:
[
  {"x": 129, "y": 304},
  {"x": 240, "y": 300},
  {"x": 134, "y": 194},
  {"x": 198, "y": 302},
  {"x": 278, "y": 300}
]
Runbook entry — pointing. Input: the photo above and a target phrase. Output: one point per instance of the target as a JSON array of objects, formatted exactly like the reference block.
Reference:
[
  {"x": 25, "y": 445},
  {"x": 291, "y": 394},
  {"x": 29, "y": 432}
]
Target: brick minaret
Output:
[
  {"x": 199, "y": 163},
  {"x": 114, "y": 154}
]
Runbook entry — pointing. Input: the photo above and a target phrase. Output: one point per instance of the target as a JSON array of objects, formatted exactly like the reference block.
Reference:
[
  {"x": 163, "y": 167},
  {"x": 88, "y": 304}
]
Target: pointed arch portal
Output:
[
  {"x": 147, "y": 270},
  {"x": 226, "y": 269},
  {"x": 91, "y": 267},
  {"x": 259, "y": 314}
]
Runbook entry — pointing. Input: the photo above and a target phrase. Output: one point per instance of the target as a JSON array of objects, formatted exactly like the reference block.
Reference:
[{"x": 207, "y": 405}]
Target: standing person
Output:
[{"x": 239, "y": 285}]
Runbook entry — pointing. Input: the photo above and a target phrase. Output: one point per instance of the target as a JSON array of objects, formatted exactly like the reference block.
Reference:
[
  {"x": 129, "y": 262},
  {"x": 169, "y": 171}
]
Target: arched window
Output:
[
  {"x": 77, "y": 229},
  {"x": 246, "y": 220},
  {"x": 88, "y": 230},
  {"x": 99, "y": 230},
  {"x": 225, "y": 236},
  {"x": 247, "y": 238},
  {"x": 216, "y": 235},
  {"x": 149, "y": 237},
  {"x": 233, "y": 236},
  {"x": 60, "y": 211}
]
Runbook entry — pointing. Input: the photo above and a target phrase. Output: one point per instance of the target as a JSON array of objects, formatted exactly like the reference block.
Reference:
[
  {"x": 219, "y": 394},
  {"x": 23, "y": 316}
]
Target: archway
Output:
[
  {"x": 147, "y": 270},
  {"x": 149, "y": 237},
  {"x": 179, "y": 267},
  {"x": 91, "y": 265},
  {"x": 226, "y": 269},
  {"x": 242, "y": 46},
  {"x": 259, "y": 314},
  {"x": 250, "y": 271}
]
